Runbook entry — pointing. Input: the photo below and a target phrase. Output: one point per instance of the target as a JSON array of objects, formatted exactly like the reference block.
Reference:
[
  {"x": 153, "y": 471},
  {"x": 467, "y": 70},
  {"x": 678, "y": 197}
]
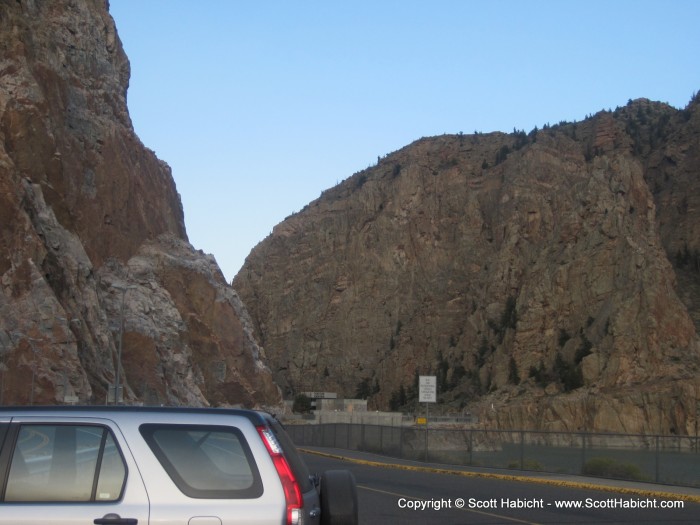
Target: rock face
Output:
[
  {"x": 92, "y": 236},
  {"x": 533, "y": 274}
]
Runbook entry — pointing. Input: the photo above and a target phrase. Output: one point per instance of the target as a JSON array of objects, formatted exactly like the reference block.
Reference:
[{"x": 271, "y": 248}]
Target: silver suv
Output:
[{"x": 174, "y": 466}]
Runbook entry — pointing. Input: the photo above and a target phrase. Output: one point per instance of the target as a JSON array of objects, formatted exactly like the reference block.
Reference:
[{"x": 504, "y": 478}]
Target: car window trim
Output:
[
  {"x": 98, "y": 466},
  {"x": 6, "y": 457},
  {"x": 4, "y": 427}
]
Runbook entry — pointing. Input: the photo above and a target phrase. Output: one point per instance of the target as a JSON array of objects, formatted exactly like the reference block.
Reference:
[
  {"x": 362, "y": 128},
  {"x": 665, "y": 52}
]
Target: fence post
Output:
[
  {"x": 522, "y": 450},
  {"x": 471, "y": 446},
  {"x": 656, "y": 473},
  {"x": 426, "y": 440},
  {"x": 583, "y": 452}
]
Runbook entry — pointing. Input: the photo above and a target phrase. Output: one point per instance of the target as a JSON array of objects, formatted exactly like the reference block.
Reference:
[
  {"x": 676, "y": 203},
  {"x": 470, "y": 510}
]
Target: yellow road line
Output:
[{"x": 510, "y": 477}]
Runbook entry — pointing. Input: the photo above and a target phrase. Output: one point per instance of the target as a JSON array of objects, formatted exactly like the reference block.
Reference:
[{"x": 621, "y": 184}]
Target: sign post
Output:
[{"x": 427, "y": 393}]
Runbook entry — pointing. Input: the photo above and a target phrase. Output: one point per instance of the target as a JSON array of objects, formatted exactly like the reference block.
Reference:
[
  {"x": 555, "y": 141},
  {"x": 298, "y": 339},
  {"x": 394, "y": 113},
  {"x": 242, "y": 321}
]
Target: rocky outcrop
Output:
[
  {"x": 671, "y": 157},
  {"x": 187, "y": 336},
  {"x": 531, "y": 273},
  {"x": 93, "y": 248}
]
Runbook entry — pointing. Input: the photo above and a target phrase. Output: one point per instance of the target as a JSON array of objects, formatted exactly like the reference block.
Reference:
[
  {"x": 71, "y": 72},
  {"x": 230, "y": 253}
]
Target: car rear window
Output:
[{"x": 213, "y": 462}]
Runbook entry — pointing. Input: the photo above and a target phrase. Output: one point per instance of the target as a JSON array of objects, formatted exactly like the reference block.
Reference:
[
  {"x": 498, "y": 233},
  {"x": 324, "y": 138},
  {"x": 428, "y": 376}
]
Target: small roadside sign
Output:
[
  {"x": 70, "y": 399},
  {"x": 112, "y": 396},
  {"x": 427, "y": 389}
]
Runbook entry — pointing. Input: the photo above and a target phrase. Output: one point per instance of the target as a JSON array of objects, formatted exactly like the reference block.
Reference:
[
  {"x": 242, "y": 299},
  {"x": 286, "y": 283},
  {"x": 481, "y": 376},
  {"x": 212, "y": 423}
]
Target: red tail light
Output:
[{"x": 292, "y": 492}]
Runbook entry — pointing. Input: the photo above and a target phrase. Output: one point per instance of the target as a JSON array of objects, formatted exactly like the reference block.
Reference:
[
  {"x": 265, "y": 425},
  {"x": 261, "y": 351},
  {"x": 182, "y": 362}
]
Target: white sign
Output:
[
  {"x": 70, "y": 399},
  {"x": 321, "y": 395},
  {"x": 112, "y": 394},
  {"x": 427, "y": 389}
]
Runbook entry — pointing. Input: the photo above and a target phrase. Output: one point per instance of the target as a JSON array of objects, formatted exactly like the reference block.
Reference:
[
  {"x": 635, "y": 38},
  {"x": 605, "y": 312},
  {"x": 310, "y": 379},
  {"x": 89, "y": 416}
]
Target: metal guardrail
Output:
[{"x": 671, "y": 460}]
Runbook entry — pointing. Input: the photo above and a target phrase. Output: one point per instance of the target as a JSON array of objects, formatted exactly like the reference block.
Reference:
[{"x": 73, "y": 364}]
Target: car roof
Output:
[{"x": 254, "y": 416}]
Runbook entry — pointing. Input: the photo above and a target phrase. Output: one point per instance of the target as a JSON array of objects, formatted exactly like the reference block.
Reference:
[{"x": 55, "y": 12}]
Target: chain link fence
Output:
[{"x": 672, "y": 460}]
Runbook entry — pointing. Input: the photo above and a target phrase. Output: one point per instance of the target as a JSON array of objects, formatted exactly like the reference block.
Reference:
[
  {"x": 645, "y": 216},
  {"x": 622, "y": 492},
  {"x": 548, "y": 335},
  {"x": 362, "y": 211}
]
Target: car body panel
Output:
[{"x": 169, "y": 505}]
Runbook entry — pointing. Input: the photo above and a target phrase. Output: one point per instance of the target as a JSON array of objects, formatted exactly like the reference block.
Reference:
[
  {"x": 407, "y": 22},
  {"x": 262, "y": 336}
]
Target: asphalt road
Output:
[{"x": 390, "y": 496}]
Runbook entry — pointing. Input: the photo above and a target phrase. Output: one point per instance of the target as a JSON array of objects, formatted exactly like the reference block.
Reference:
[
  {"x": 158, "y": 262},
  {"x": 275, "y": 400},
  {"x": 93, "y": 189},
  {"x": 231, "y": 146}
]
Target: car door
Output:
[{"x": 75, "y": 471}]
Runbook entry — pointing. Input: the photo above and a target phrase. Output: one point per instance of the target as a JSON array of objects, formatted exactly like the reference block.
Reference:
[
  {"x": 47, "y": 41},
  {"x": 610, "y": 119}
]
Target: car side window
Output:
[
  {"x": 65, "y": 463},
  {"x": 205, "y": 461}
]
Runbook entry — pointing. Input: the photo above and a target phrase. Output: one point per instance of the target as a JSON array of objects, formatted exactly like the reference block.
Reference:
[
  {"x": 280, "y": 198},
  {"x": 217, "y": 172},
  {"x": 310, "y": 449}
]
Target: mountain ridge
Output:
[
  {"x": 523, "y": 270},
  {"x": 94, "y": 257}
]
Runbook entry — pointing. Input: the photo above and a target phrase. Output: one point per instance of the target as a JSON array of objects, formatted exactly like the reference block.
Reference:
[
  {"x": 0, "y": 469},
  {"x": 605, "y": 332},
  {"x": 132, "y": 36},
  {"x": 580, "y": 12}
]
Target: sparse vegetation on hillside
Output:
[
  {"x": 508, "y": 320},
  {"x": 513, "y": 375},
  {"x": 687, "y": 259},
  {"x": 568, "y": 374},
  {"x": 302, "y": 404}
]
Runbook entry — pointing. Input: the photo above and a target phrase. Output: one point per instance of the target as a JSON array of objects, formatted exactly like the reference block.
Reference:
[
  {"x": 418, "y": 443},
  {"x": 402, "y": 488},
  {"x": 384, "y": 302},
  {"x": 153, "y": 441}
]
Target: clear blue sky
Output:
[{"x": 258, "y": 106}]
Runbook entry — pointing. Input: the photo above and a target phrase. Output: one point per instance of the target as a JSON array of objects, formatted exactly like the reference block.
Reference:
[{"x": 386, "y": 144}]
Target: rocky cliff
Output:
[
  {"x": 548, "y": 279},
  {"x": 93, "y": 248}
]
